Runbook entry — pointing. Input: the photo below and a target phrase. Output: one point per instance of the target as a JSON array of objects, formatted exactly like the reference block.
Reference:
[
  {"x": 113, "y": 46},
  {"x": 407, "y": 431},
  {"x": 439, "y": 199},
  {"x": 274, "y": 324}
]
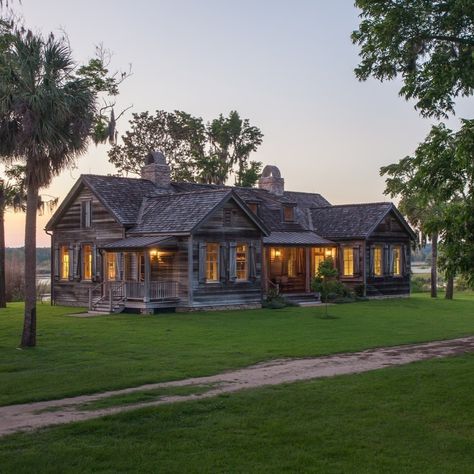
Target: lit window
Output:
[
  {"x": 241, "y": 262},
  {"x": 87, "y": 262},
  {"x": 321, "y": 254},
  {"x": 378, "y": 261},
  {"x": 212, "y": 262},
  {"x": 288, "y": 213},
  {"x": 64, "y": 262},
  {"x": 348, "y": 257},
  {"x": 397, "y": 260},
  {"x": 111, "y": 266}
]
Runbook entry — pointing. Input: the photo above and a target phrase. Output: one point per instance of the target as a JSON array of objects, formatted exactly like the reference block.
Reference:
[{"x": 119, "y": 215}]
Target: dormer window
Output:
[
  {"x": 288, "y": 213},
  {"x": 253, "y": 206}
]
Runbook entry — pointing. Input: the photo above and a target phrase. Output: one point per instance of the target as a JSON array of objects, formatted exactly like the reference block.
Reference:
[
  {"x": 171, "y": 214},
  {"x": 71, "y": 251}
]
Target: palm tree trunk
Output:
[
  {"x": 3, "y": 296},
  {"x": 449, "y": 287},
  {"x": 434, "y": 265},
  {"x": 28, "y": 338}
]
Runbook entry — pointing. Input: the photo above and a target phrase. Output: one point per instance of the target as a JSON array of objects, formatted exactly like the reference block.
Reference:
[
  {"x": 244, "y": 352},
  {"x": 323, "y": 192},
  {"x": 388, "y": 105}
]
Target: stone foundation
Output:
[{"x": 192, "y": 309}]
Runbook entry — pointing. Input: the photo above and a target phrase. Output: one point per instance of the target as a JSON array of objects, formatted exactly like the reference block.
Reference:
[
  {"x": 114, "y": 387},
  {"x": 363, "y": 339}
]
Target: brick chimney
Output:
[
  {"x": 156, "y": 169},
  {"x": 271, "y": 180}
]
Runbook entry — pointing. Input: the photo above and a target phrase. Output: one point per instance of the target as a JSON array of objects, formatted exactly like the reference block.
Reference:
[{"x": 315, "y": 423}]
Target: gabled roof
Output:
[
  {"x": 270, "y": 205},
  {"x": 353, "y": 220},
  {"x": 183, "y": 212},
  {"x": 122, "y": 197}
]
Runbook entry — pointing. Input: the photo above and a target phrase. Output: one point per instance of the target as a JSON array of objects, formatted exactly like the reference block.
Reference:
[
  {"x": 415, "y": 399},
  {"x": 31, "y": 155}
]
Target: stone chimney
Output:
[
  {"x": 156, "y": 169},
  {"x": 271, "y": 180}
]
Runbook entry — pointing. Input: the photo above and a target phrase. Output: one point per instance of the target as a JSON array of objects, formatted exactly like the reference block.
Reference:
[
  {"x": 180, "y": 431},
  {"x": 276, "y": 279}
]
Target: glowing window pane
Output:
[
  {"x": 64, "y": 262},
  {"x": 348, "y": 257},
  {"x": 241, "y": 263},
  {"x": 212, "y": 262},
  {"x": 87, "y": 262}
]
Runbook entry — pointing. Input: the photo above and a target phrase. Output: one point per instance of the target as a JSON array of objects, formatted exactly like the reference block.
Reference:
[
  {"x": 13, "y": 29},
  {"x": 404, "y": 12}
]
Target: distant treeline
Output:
[{"x": 43, "y": 257}]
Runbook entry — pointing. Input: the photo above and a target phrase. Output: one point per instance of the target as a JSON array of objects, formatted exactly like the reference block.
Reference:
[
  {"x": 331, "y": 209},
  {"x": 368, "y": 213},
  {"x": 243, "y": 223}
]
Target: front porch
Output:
[
  {"x": 290, "y": 269},
  {"x": 138, "y": 274}
]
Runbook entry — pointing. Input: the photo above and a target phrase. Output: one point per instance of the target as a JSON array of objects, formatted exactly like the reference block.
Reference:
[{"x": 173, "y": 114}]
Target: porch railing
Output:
[{"x": 159, "y": 290}]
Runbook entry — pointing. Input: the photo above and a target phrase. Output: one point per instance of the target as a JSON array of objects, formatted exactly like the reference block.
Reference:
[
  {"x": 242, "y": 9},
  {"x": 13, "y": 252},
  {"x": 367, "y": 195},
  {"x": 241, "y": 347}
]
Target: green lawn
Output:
[
  {"x": 78, "y": 355},
  {"x": 417, "y": 418}
]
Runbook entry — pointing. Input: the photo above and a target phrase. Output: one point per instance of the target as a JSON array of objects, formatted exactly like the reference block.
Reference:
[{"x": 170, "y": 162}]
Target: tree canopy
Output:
[
  {"x": 428, "y": 43},
  {"x": 196, "y": 151},
  {"x": 436, "y": 186}
]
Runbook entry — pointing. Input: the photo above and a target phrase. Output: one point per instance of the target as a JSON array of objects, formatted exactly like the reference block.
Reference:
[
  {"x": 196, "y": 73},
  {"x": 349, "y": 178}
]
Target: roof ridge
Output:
[
  {"x": 154, "y": 196},
  {"x": 390, "y": 203},
  {"x": 88, "y": 175}
]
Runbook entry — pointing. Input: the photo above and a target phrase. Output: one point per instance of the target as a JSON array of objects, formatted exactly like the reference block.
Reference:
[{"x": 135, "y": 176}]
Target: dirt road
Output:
[{"x": 32, "y": 416}]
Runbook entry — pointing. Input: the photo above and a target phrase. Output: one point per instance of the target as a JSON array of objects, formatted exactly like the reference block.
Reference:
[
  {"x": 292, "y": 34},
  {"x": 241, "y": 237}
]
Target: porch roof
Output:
[
  {"x": 139, "y": 242},
  {"x": 296, "y": 238}
]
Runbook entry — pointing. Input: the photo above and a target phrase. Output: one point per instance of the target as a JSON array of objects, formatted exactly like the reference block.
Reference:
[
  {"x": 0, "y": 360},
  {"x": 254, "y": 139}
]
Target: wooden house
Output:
[{"x": 144, "y": 244}]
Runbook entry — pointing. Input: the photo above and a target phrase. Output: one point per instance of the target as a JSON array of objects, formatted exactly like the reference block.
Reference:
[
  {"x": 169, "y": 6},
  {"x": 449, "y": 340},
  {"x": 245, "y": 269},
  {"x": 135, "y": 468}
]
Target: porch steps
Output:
[
  {"x": 103, "y": 307},
  {"x": 303, "y": 299}
]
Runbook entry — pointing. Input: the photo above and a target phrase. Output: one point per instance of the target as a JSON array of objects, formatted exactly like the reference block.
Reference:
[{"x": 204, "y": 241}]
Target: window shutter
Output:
[
  {"x": 94, "y": 262},
  {"x": 341, "y": 260},
  {"x": 252, "y": 261},
  {"x": 71, "y": 262},
  {"x": 98, "y": 264},
  {"x": 372, "y": 261},
  {"x": 392, "y": 260},
  {"x": 77, "y": 262},
  {"x": 223, "y": 262},
  {"x": 88, "y": 213},
  {"x": 232, "y": 261},
  {"x": 202, "y": 262},
  {"x": 83, "y": 214},
  {"x": 405, "y": 260},
  {"x": 386, "y": 259},
  {"x": 356, "y": 257},
  {"x": 56, "y": 262}
]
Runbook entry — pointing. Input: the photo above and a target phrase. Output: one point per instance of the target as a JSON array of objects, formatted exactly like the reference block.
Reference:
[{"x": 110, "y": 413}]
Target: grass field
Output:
[
  {"x": 79, "y": 355},
  {"x": 417, "y": 418}
]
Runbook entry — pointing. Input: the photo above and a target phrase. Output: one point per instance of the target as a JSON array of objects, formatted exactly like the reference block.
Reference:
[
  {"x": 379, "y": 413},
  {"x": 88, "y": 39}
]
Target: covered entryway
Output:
[
  {"x": 292, "y": 259},
  {"x": 139, "y": 272}
]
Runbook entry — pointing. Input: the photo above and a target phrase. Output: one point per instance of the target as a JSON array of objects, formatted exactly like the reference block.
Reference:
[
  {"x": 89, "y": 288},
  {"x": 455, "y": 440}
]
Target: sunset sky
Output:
[{"x": 285, "y": 65}]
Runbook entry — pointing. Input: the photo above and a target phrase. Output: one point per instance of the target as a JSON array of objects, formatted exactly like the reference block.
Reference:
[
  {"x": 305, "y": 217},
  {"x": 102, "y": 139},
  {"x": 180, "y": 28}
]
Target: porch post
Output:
[
  {"x": 190, "y": 270},
  {"x": 265, "y": 263},
  {"x": 146, "y": 294},
  {"x": 307, "y": 255}
]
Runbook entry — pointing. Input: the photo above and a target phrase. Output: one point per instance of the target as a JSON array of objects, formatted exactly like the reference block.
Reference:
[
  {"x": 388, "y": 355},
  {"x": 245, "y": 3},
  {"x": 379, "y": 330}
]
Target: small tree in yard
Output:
[{"x": 323, "y": 283}]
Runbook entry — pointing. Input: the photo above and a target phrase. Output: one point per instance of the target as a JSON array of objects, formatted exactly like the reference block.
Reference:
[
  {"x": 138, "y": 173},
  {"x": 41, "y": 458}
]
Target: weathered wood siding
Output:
[
  {"x": 389, "y": 232},
  {"x": 222, "y": 229},
  {"x": 74, "y": 291}
]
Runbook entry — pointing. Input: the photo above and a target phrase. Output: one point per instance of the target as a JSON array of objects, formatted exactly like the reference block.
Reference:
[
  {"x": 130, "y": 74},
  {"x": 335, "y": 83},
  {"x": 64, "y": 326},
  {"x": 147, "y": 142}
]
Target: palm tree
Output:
[{"x": 46, "y": 113}]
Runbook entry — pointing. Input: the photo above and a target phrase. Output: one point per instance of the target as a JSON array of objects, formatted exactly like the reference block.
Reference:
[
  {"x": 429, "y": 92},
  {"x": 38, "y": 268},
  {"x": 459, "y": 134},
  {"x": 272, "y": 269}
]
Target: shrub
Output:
[
  {"x": 420, "y": 284},
  {"x": 331, "y": 290}
]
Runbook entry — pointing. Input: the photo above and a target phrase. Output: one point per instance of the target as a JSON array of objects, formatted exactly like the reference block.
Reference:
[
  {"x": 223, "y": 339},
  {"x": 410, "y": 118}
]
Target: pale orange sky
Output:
[{"x": 287, "y": 66}]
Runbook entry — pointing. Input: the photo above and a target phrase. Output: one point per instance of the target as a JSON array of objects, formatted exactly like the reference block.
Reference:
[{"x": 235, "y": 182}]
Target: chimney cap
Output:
[
  {"x": 271, "y": 170},
  {"x": 155, "y": 157}
]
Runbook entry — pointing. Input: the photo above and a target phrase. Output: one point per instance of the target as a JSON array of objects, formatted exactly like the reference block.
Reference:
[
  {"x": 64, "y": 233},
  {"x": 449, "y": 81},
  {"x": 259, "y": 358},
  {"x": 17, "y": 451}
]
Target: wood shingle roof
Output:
[{"x": 348, "y": 220}]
